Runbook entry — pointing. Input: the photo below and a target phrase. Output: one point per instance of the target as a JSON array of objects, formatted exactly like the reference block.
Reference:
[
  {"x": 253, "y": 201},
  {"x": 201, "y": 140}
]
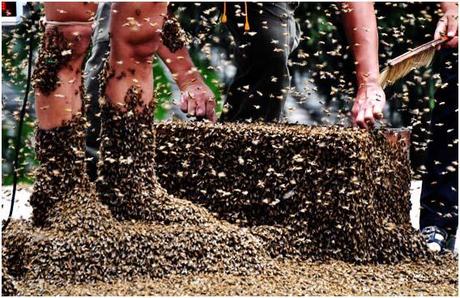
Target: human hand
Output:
[
  {"x": 448, "y": 26},
  {"x": 198, "y": 100},
  {"x": 368, "y": 105}
]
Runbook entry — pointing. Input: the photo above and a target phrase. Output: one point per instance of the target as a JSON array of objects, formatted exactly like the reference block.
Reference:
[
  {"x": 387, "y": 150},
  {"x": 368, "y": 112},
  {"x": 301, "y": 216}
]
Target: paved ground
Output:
[{"x": 22, "y": 208}]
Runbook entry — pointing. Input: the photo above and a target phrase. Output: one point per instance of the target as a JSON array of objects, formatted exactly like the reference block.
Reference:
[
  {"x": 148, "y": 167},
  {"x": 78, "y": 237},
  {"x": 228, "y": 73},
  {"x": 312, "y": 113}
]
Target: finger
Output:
[
  {"x": 453, "y": 43},
  {"x": 360, "y": 118},
  {"x": 183, "y": 103},
  {"x": 378, "y": 111},
  {"x": 201, "y": 105},
  {"x": 191, "y": 106},
  {"x": 355, "y": 119},
  {"x": 355, "y": 108},
  {"x": 211, "y": 110},
  {"x": 213, "y": 119},
  {"x": 440, "y": 30},
  {"x": 355, "y": 122},
  {"x": 378, "y": 107},
  {"x": 369, "y": 117},
  {"x": 452, "y": 26},
  {"x": 354, "y": 112}
]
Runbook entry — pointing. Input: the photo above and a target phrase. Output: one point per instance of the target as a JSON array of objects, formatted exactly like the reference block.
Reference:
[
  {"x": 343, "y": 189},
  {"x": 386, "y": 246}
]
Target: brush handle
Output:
[{"x": 423, "y": 47}]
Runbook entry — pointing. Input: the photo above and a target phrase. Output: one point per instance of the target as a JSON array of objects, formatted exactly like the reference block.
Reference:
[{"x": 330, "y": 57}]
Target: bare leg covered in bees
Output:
[
  {"x": 57, "y": 77},
  {"x": 126, "y": 180},
  {"x": 57, "y": 82},
  {"x": 91, "y": 239}
]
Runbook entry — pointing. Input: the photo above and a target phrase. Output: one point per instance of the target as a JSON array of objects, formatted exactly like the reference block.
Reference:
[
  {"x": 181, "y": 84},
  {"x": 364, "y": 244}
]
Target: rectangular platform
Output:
[{"x": 265, "y": 174}]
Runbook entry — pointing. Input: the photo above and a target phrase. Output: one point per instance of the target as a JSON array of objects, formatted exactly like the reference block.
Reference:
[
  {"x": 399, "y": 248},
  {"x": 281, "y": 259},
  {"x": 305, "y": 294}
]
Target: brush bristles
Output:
[{"x": 392, "y": 73}]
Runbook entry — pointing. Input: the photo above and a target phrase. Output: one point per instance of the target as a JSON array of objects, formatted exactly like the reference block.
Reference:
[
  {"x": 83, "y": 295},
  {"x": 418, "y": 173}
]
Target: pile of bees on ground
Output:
[
  {"x": 254, "y": 205},
  {"x": 315, "y": 192},
  {"x": 260, "y": 193}
]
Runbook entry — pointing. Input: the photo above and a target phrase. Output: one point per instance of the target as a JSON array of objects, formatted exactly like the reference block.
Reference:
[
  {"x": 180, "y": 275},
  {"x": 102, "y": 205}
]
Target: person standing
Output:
[
  {"x": 196, "y": 97},
  {"x": 439, "y": 198},
  {"x": 265, "y": 35},
  {"x": 126, "y": 179}
]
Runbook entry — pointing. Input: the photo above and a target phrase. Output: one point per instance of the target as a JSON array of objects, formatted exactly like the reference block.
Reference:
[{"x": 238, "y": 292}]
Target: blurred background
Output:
[{"x": 322, "y": 70}]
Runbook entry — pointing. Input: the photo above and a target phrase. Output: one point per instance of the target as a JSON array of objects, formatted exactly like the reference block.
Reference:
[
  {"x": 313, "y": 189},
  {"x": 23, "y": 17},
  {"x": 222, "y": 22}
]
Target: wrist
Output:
[
  {"x": 367, "y": 78},
  {"x": 189, "y": 78},
  {"x": 449, "y": 8}
]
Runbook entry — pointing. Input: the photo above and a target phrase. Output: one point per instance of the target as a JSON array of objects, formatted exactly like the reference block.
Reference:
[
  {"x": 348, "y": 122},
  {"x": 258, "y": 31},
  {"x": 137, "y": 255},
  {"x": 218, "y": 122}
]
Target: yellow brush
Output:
[{"x": 402, "y": 65}]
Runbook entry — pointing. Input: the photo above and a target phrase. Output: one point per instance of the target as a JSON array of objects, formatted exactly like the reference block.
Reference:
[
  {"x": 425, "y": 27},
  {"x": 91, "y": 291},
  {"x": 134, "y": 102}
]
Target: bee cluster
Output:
[
  {"x": 62, "y": 172},
  {"x": 172, "y": 35},
  {"x": 312, "y": 193},
  {"x": 140, "y": 231},
  {"x": 8, "y": 287},
  {"x": 54, "y": 53},
  {"x": 294, "y": 278},
  {"x": 317, "y": 192}
]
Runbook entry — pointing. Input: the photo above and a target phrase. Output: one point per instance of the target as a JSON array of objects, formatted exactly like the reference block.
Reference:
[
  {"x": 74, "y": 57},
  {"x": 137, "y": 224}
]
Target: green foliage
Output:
[
  {"x": 15, "y": 47},
  {"x": 27, "y": 159}
]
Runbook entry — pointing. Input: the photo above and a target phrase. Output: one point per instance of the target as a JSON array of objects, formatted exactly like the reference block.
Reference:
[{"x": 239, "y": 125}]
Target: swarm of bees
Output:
[
  {"x": 312, "y": 185},
  {"x": 140, "y": 231},
  {"x": 342, "y": 190},
  {"x": 236, "y": 197},
  {"x": 62, "y": 150},
  {"x": 173, "y": 36},
  {"x": 53, "y": 55},
  {"x": 8, "y": 287}
]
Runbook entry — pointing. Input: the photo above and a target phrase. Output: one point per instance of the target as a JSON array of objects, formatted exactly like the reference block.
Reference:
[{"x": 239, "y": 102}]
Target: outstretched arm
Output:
[
  {"x": 361, "y": 28},
  {"x": 196, "y": 97}
]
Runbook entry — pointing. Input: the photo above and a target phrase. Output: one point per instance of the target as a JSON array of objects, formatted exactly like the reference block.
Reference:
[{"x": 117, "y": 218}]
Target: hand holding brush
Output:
[{"x": 446, "y": 35}]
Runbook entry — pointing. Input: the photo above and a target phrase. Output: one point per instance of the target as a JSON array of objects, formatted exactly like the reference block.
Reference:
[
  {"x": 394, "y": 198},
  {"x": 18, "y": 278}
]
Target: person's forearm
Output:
[
  {"x": 360, "y": 26},
  {"x": 181, "y": 66},
  {"x": 447, "y": 6}
]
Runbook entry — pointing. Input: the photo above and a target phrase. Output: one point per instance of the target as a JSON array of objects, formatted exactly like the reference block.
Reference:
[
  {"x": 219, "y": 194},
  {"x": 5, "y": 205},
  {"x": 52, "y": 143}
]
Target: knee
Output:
[
  {"x": 71, "y": 42},
  {"x": 139, "y": 45},
  {"x": 79, "y": 39},
  {"x": 63, "y": 48},
  {"x": 69, "y": 27},
  {"x": 136, "y": 29}
]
